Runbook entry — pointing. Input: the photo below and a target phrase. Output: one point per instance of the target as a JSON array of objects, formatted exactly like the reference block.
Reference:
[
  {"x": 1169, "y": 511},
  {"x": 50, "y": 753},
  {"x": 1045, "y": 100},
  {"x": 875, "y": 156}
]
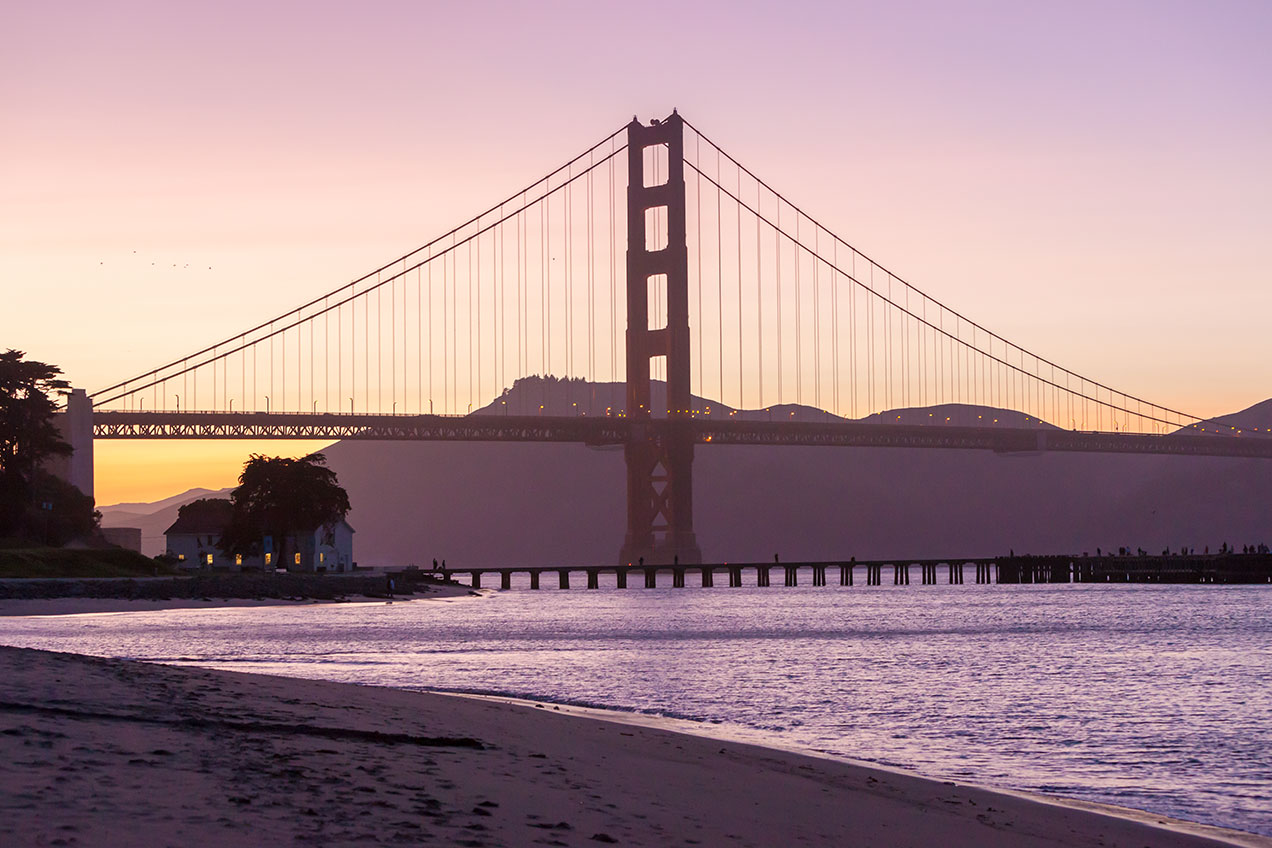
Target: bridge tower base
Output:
[
  {"x": 659, "y": 464},
  {"x": 75, "y": 425}
]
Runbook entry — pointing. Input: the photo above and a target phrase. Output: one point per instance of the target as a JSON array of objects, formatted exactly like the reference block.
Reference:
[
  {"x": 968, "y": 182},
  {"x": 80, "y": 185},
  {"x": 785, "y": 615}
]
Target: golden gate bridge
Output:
[{"x": 655, "y": 260}]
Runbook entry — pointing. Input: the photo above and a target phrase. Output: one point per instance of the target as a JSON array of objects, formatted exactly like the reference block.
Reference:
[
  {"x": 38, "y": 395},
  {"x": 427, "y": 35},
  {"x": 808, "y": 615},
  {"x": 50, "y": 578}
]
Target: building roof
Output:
[{"x": 208, "y": 516}]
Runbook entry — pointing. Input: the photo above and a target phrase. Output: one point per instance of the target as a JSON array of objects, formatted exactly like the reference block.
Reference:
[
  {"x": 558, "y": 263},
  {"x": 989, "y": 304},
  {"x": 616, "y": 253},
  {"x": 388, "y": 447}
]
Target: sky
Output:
[{"x": 1091, "y": 180}]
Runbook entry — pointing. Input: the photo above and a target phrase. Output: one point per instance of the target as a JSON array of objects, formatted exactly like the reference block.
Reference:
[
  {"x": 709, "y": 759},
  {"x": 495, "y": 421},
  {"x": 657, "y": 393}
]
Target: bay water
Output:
[{"x": 1153, "y": 697}]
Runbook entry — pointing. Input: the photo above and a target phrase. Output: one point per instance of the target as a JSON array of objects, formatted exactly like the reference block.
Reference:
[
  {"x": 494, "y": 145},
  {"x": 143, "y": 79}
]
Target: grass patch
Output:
[{"x": 68, "y": 562}]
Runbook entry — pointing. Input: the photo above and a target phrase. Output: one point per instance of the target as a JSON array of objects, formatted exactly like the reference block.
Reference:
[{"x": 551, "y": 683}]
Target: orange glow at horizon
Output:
[{"x": 146, "y": 471}]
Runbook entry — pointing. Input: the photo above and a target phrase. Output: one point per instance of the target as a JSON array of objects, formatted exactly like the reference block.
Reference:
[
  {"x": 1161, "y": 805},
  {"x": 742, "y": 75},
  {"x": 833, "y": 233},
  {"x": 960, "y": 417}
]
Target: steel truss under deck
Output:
[{"x": 620, "y": 431}]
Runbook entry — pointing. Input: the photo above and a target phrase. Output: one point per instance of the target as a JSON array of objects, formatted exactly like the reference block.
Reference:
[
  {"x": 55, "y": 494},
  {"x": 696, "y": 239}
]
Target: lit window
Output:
[
  {"x": 238, "y": 559},
  {"x": 180, "y": 557},
  {"x": 322, "y": 557},
  {"x": 268, "y": 558},
  {"x": 297, "y": 560},
  {"x": 208, "y": 559}
]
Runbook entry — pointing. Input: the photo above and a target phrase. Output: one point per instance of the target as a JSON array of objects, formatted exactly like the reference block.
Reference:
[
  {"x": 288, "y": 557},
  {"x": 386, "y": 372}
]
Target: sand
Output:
[{"x": 112, "y": 752}]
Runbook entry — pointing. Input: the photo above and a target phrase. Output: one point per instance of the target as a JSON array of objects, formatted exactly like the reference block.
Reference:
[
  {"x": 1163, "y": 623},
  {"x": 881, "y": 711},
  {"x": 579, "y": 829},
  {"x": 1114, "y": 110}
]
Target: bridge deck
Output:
[{"x": 595, "y": 430}]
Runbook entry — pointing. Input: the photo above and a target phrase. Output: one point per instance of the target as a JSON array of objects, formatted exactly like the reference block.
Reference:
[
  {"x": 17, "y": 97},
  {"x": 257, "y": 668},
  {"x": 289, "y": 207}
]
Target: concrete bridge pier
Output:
[
  {"x": 621, "y": 579},
  {"x": 593, "y": 578},
  {"x": 762, "y": 576},
  {"x": 708, "y": 578},
  {"x": 956, "y": 573},
  {"x": 792, "y": 575},
  {"x": 75, "y": 426},
  {"x": 476, "y": 579},
  {"x": 534, "y": 580},
  {"x": 563, "y": 578},
  {"x": 845, "y": 574},
  {"x": 677, "y": 578},
  {"x": 819, "y": 575},
  {"x": 735, "y": 577},
  {"x": 651, "y": 578},
  {"x": 505, "y": 580}
]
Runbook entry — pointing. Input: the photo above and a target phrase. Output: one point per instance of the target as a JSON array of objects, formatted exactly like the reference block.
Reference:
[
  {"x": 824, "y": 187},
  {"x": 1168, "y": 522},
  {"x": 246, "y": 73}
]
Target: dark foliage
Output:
[
  {"x": 59, "y": 512},
  {"x": 279, "y": 497},
  {"x": 210, "y": 515},
  {"x": 28, "y": 436}
]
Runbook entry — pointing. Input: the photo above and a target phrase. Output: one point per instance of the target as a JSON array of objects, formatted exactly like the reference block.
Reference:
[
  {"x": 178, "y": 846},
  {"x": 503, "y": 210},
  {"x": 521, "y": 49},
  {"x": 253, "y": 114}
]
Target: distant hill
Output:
[
  {"x": 1254, "y": 419},
  {"x": 510, "y": 503},
  {"x": 153, "y": 518}
]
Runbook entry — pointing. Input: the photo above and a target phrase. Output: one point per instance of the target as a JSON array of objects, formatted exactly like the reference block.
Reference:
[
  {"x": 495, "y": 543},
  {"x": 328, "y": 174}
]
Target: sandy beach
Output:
[{"x": 112, "y": 752}]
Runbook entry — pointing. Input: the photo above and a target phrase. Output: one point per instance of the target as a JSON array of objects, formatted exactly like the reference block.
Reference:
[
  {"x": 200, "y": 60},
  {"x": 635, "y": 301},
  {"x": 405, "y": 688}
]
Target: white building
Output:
[
  {"x": 192, "y": 540},
  {"x": 324, "y": 549}
]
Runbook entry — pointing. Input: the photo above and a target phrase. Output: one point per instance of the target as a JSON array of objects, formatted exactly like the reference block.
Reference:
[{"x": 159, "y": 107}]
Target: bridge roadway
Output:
[
  {"x": 1227, "y": 568},
  {"x": 604, "y": 430}
]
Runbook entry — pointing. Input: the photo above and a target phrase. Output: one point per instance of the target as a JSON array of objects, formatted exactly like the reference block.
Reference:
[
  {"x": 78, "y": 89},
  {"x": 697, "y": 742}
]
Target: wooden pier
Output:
[{"x": 1227, "y": 568}]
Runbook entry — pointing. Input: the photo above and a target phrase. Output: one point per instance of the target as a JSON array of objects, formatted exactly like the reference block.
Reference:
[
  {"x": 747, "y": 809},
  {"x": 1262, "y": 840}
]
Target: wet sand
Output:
[{"x": 112, "y": 752}]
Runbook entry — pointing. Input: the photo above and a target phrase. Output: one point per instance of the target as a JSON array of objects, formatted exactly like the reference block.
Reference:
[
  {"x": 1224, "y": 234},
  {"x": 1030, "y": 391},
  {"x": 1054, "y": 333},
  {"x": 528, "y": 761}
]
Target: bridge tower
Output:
[{"x": 659, "y": 462}]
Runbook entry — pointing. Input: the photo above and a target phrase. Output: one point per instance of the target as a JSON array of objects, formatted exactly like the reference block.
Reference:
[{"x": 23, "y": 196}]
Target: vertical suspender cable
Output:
[
  {"x": 697, "y": 199},
  {"x": 799, "y": 308},
  {"x": 759, "y": 302},
  {"x": 816, "y": 257},
  {"x": 720, "y": 274},
  {"x": 834, "y": 326},
  {"x": 741, "y": 393},
  {"x": 777, "y": 267}
]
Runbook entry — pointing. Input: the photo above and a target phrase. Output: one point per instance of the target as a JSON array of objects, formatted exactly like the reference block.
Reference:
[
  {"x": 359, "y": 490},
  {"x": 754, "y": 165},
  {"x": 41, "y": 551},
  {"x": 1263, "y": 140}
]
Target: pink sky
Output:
[{"x": 1091, "y": 180}]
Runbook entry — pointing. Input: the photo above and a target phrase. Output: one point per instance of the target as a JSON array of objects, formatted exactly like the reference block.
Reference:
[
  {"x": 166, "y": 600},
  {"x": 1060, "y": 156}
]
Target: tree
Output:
[
  {"x": 280, "y": 497},
  {"x": 59, "y": 512},
  {"x": 28, "y": 435}
]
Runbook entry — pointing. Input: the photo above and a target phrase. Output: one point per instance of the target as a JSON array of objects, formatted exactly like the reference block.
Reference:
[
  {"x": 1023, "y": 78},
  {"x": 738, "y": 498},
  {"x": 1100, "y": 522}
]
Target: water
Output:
[{"x": 1155, "y": 697}]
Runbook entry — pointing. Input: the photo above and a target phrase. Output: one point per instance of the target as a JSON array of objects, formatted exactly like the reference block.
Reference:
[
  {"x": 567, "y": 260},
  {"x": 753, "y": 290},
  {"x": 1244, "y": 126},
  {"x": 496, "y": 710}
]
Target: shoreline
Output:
[
  {"x": 81, "y": 604},
  {"x": 188, "y": 755},
  {"x": 761, "y": 740}
]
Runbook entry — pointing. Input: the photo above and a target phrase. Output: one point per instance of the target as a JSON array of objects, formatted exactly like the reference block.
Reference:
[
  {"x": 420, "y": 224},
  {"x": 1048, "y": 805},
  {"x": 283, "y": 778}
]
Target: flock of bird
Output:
[{"x": 174, "y": 264}]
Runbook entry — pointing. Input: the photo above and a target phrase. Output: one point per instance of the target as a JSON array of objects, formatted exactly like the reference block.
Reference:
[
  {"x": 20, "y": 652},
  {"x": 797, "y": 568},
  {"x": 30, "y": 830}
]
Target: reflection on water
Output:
[{"x": 1155, "y": 697}]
